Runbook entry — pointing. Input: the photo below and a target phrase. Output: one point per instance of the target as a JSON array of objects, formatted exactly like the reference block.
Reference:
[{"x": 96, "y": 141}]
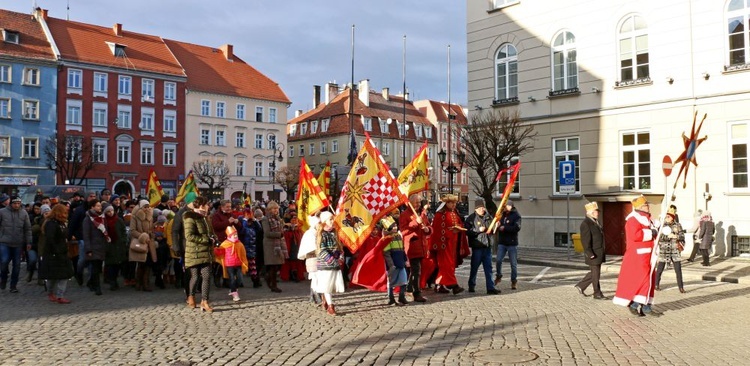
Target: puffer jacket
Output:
[
  {"x": 95, "y": 243},
  {"x": 15, "y": 227},
  {"x": 198, "y": 248}
]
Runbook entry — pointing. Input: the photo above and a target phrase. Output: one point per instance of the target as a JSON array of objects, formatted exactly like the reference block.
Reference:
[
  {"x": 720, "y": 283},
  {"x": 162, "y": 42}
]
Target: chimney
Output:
[
  {"x": 40, "y": 13},
  {"x": 386, "y": 94},
  {"x": 316, "y": 95},
  {"x": 298, "y": 112},
  {"x": 364, "y": 91},
  {"x": 332, "y": 90},
  {"x": 228, "y": 51},
  {"x": 117, "y": 28}
]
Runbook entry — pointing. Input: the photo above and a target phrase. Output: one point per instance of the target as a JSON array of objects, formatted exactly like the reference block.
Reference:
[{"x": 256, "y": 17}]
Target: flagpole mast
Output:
[
  {"x": 450, "y": 129},
  {"x": 403, "y": 73},
  {"x": 352, "y": 150}
]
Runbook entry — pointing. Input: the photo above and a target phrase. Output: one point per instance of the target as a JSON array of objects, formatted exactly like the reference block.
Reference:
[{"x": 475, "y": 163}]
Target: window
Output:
[
  {"x": 123, "y": 152},
  {"x": 335, "y": 146},
  {"x": 564, "y": 66},
  {"x": 205, "y": 136},
  {"x": 291, "y": 151},
  {"x": 147, "y": 119},
  {"x": 74, "y": 112},
  {"x": 205, "y": 107},
  {"x": 636, "y": 160},
  {"x": 74, "y": 78},
  {"x": 125, "y": 86},
  {"x": 170, "y": 122},
  {"x": 418, "y": 130},
  {"x": 323, "y": 149},
  {"x": 220, "y": 109},
  {"x": 241, "y": 112},
  {"x": 272, "y": 115},
  {"x": 259, "y": 114},
  {"x": 100, "y": 115},
  {"x": 30, "y": 76},
  {"x": 5, "y": 73},
  {"x": 239, "y": 140},
  {"x": 124, "y": 119},
  {"x": 503, "y": 3},
  {"x": 258, "y": 141},
  {"x": 170, "y": 151},
  {"x": 30, "y": 147},
  {"x": 11, "y": 36},
  {"x": 147, "y": 90},
  {"x": 312, "y": 149},
  {"x": 303, "y": 128},
  {"x": 221, "y": 139},
  {"x": 258, "y": 168},
  {"x": 301, "y": 150},
  {"x": 738, "y": 135},
  {"x": 313, "y": 127},
  {"x": 100, "y": 84},
  {"x": 428, "y": 132},
  {"x": 31, "y": 109},
  {"x": 386, "y": 148},
  {"x": 367, "y": 123},
  {"x": 170, "y": 91},
  {"x": 73, "y": 147},
  {"x": 4, "y": 108},
  {"x": 99, "y": 150},
  {"x": 5, "y": 146},
  {"x": 506, "y": 73},
  {"x": 633, "y": 41},
  {"x": 324, "y": 125},
  {"x": 271, "y": 142},
  {"x": 292, "y": 130},
  {"x": 147, "y": 154},
  {"x": 565, "y": 149},
  {"x": 239, "y": 168}
]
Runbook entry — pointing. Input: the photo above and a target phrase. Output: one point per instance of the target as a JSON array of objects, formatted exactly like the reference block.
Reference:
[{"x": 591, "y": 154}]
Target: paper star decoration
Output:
[{"x": 688, "y": 156}]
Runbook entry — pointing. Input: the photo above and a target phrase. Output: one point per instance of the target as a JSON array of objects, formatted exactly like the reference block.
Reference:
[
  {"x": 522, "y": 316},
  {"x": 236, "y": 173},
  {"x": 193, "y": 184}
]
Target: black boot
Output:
[
  {"x": 159, "y": 282},
  {"x": 256, "y": 282}
]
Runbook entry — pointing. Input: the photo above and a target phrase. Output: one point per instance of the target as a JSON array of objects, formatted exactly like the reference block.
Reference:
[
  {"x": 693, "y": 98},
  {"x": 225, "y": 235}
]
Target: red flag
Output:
[{"x": 513, "y": 171}]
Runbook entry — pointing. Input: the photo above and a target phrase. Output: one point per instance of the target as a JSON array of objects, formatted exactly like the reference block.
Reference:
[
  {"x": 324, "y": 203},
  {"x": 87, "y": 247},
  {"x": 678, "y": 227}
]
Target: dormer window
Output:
[
  {"x": 118, "y": 50},
  {"x": 11, "y": 36}
]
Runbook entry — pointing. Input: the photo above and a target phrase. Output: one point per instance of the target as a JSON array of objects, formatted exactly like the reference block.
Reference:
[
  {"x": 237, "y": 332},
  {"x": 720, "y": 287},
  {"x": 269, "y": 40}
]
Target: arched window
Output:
[
  {"x": 506, "y": 72},
  {"x": 564, "y": 64},
  {"x": 737, "y": 32},
  {"x": 633, "y": 37}
]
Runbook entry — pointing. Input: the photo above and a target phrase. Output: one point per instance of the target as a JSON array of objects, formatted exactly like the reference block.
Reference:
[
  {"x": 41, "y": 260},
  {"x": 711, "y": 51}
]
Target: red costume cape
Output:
[{"x": 637, "y": 277}]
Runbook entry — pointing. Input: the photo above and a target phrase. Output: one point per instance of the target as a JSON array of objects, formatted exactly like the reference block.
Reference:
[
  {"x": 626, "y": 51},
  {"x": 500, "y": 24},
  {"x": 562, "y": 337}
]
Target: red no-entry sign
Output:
[{"x": 666, "y": 165}]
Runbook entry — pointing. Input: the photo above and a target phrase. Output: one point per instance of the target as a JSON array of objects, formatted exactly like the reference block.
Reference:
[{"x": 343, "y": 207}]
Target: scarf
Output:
[
  {"x": 98, "y": 221},
  {"x": 111, "y": 224},
  {"x": 274, "y": 223}
]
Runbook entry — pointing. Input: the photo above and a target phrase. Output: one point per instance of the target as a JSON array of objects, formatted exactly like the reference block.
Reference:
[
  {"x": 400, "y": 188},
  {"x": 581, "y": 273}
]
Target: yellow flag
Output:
[
  {"x": 369, "y": 193},
  {"x": 324, "y": 179},
  {"x": 187, "y": 186},
  {"x": 310, "y": 198},
  {"x": 414, "y": 179},
  {"x": 153, "y": 189}
]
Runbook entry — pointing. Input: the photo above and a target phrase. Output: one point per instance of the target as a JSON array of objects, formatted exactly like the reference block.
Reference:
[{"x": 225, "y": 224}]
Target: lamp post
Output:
[
  {"x": 277, "y": 147},
  {"x": 451, "y": 169},
  {"x": 244, "y": 192}
]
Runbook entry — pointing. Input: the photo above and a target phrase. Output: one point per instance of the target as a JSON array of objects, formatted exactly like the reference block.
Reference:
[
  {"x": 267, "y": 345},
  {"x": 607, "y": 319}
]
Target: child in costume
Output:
[
  {"x": 395, "y": 260},
  {"x": 231, "y": 255}
]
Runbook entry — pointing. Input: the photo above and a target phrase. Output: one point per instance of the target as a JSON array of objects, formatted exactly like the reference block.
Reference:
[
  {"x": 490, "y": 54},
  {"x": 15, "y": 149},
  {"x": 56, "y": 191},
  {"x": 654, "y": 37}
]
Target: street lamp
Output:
[
  {"x": 451, "y": 169},
  {"x": 279, "y": 147}
]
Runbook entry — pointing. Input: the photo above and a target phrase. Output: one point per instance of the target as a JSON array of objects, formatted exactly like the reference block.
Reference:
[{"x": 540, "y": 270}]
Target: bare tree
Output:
[
  {"x": 288, "y": 179},
  {"x": 491, "y": 140},
  {"x": 71, "y": 157},
  {"x": 212, "y": 173}
]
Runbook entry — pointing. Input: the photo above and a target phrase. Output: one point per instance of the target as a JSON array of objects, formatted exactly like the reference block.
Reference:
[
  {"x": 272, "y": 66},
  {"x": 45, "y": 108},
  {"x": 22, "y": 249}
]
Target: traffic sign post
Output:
[{"x": 567, "y": 172}]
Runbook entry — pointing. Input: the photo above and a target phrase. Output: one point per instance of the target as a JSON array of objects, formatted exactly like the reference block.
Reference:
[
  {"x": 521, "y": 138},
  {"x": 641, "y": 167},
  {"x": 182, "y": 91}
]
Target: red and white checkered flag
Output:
[{"x": 380, "y": 195}]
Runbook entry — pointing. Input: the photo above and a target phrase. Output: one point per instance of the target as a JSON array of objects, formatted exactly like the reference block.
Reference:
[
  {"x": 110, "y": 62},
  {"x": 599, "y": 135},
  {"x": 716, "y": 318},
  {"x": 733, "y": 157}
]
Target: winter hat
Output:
[
  {"x": 108, "y": 207},
  {"x": 161, "y": 219},
  {"x": 325, "y": 216},
  {"x": 113, "y": 198},
  {"x": 45, "y": 209},
  {"x": 170, "y": 214},
  {"x": 4, "y": 197},
  {"x": 479, "y": 203},
  {"x": 510, "y": 203},
  {"x": 142, "y": 203}
]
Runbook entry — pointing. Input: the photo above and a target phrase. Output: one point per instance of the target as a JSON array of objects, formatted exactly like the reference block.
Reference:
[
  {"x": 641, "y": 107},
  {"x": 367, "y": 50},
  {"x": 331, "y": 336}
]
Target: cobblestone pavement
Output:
[{"x": 545, "y": 322}]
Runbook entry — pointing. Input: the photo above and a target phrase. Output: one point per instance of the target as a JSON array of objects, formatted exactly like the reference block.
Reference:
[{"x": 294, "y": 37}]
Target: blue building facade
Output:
[{"x": 28, "y": 117}]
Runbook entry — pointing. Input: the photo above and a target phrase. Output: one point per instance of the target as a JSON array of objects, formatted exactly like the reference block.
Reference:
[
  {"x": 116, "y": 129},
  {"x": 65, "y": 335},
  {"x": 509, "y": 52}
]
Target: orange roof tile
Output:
[
  {"x": 33, "y": 43},
  {"x": 88, "y": 43},
  {"x": 209, "y": 70}
]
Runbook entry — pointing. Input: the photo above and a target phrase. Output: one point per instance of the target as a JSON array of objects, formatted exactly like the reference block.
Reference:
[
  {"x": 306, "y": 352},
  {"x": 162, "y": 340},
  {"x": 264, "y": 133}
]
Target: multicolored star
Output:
[{"x": 691, "y": 144}]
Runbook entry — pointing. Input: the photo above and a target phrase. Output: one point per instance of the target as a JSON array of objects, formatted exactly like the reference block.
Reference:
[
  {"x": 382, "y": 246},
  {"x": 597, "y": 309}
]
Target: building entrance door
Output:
[{"x": 613, "y": 224}]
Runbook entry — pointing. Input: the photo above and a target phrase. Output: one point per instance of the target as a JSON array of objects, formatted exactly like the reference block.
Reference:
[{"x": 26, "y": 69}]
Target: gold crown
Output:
[
  {"x": 449, "y": 198},
  {"x": 639, "y": 202},
  {"x": 230, "y": 231},
  {"x": 387, "y": 222},
  {"x": 591, "y": 206}
]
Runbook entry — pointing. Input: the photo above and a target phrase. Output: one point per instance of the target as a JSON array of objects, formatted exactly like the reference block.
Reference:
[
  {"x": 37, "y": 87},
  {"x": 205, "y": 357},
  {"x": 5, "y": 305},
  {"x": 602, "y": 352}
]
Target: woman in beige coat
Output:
[
  {"x": 274, "y": 247},
  {"x": 142, "y": 222}
]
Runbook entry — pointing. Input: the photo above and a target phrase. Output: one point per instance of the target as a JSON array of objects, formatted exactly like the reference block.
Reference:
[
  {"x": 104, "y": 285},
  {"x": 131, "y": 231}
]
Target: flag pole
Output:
[{"x": 352, "y": 144}]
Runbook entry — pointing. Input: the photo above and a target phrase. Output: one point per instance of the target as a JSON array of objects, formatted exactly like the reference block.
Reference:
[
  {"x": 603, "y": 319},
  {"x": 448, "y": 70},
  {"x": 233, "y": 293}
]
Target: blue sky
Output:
[{"x": 301, "y": 43}]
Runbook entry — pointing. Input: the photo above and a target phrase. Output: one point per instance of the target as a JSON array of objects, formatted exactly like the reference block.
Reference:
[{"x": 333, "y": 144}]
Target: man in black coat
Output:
[
  {"x": 592, "y": 239},
  {"x": 481, "y": 250}
]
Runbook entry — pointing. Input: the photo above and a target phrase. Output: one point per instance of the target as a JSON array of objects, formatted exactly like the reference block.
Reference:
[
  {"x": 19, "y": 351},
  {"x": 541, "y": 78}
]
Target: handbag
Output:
[
  {"x": 138, "y": 247},
  {"x": 72, "y": 248},
  {"x": 680, "y": 246}
]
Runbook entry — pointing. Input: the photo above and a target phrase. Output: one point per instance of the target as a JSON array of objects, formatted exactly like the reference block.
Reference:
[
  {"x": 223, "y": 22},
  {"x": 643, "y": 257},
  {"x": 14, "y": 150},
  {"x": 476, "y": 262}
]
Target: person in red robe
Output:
[
  {"x": 637, "y": 280},
  {"x": 293, "y": 268},
  {"x": 449, "y": 243},
  {"x": 415, "y": 230}
]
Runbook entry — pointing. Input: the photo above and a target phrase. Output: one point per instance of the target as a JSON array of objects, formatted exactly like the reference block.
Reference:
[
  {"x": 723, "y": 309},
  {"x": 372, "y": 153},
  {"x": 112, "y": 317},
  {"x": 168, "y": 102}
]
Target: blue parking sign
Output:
[{"x": 567, "y": 173}]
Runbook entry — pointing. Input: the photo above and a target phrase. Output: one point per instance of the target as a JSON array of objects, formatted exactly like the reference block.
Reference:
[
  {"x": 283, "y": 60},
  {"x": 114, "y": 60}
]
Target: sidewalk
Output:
[{"x": 729, "y": 269}]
